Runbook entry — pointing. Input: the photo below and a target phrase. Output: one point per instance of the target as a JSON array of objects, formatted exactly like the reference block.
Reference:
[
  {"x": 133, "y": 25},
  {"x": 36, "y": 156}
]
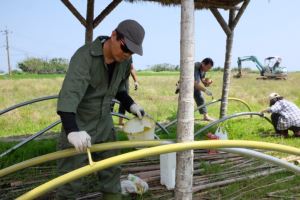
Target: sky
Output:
[{"x": 47, "y": 29}]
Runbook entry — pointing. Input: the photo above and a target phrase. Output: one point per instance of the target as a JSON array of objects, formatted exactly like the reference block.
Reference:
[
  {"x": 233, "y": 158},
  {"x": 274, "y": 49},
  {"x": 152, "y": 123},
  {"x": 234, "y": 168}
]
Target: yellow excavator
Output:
[{"x": 271, "y": 69}]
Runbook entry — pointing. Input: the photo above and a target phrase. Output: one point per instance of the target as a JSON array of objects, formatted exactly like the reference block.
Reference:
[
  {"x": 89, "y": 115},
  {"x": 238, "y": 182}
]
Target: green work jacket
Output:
[{"x": 86, "y": 90}]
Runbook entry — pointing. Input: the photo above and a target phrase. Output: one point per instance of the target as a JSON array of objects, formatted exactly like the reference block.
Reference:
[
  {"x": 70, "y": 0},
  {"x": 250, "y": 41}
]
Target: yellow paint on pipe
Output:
[
  {"x": 78, "y": 173},
  {"x": 72, "y": 152},
  {"x": 240, "y": 100}
]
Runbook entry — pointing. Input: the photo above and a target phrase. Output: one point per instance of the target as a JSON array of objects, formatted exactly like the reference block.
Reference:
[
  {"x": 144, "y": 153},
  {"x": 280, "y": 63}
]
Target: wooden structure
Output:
[
  {"x": 90, "y": 22},
  {"x": 235, "y": 13},
  {"x": 207, "y": 183},
  {"x": 184, "y": 167}
]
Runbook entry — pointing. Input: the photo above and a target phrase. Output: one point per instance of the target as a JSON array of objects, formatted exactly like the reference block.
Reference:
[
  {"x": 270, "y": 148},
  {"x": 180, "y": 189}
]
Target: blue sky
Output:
[{"x": 47, "y": 29}]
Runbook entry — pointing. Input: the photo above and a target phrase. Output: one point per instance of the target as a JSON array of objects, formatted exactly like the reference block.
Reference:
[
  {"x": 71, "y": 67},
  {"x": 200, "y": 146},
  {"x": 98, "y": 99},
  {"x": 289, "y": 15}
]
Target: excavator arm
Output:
[{"x": 258, "y": 65}]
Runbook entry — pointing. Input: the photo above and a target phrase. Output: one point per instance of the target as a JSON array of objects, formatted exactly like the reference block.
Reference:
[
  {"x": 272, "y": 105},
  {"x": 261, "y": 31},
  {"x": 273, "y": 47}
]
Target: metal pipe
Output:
[
  {"x": 46, "y": 129},
  {"x": 29, "y": 138},
  {"x": 240, "y": 100},
  {"x": 120, "y": 115},
  {"x": 113, "y": 113},
  {"x": 34, "y": 101},
  {"x": 175, "y": 120},
  {"x": 226, "y": 118},
  {"x": 56, "y": 96},
  {"x": 27, "y": 103},
  {"x": 264, "y": 157},
  {"x": 161, "y": 127},
  {"x": 116, "y": 160},
  {"x": 158, "y": 124},
  {"x": 207, "y": 104}
]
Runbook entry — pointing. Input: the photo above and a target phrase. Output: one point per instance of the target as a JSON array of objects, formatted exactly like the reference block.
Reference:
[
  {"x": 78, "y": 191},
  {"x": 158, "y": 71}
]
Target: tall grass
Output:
[
  {"x": 32, "y": 118},
  {"x": 156, "y": 95}
]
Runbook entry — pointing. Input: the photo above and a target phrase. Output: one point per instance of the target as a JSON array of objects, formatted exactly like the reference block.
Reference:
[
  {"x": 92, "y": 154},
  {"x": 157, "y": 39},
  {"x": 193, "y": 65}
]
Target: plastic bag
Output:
[
  {"x": 221, "y": 133},
  {"x": 128, "y": 187},
  {"x": 142, "y": 186},
  {"x": 134, "y": 184}
]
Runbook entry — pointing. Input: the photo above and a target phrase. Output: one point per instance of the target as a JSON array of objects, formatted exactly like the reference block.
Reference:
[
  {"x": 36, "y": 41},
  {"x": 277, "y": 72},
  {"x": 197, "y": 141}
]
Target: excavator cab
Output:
[{"x": 273, "y": 63}]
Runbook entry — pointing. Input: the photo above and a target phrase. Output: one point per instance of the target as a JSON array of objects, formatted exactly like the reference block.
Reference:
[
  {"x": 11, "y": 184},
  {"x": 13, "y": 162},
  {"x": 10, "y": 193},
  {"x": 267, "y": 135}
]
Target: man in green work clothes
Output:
[{"x": 97, "y": 73}]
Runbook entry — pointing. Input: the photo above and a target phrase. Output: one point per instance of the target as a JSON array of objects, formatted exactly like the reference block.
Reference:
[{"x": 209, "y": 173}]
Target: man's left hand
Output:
[{"x": 137, "y": 110}]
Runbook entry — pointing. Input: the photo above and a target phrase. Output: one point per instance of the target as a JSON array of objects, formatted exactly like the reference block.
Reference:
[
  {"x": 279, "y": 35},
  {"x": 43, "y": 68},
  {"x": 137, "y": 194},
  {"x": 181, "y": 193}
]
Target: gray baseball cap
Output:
[{"x": 133, "y": 34}]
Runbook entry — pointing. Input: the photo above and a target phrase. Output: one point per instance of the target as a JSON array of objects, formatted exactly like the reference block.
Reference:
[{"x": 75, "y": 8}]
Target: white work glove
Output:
[
  {"x": 136, "y": 85},
  {"x": 207, "y": 92},
  {"x": 137, "y": 110},
  {"x": 81, "y": 140}
]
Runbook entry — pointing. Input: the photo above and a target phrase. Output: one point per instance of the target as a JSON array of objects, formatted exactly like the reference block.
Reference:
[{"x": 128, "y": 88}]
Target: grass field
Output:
[{"x": 156, "y": 95}]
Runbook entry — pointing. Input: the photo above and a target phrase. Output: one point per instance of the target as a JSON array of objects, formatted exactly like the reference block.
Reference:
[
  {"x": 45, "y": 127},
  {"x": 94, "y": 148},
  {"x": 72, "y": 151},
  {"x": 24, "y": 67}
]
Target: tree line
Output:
[
  {"x": 44, "y": 66},
  {"x": 34, "y": 65}
]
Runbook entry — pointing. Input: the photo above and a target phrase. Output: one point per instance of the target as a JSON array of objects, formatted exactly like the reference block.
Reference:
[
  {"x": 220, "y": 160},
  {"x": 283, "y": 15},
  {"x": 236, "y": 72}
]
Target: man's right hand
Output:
[
  {"x": 207, "y": 92},
  {"x": 136, "y": 85},
  {"x": 137, "y": 110},
  {"x": 81, "y": 140}
]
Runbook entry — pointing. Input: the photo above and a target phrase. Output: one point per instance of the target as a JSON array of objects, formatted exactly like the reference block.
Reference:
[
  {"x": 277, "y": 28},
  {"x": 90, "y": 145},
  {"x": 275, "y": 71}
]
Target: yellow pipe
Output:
[
  {"x": 100, "y": 165},
  {"x": 72, "y": 152},
  {"x": 240, "y": 100}
]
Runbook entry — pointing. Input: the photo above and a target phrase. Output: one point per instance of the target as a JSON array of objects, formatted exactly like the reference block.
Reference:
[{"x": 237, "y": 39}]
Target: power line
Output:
[{"x": 25, "y": 52}]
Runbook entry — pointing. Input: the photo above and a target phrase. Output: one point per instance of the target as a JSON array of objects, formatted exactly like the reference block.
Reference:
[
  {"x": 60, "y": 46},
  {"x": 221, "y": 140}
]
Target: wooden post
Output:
[
  {"x": 229, "y": 31},
  {"x": 106, "y": 12},
  {"x": 226, "y": 74},
  {"x": 89, "y": 21},
  {"x": 185, "y": 127}
]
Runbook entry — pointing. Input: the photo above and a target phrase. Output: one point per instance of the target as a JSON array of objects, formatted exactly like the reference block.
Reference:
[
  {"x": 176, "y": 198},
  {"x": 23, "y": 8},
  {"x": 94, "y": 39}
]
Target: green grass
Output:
[
  {"x": 156, "y": 95},
  {"x": 29, "y": 150},
  {"x": 163, "y": 73},
  {"x": 259, "y": 187},
  {"x": 30, "y": 76}
]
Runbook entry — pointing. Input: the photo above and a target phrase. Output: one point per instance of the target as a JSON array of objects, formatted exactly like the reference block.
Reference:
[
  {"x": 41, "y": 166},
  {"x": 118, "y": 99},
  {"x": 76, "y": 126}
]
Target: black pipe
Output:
[
  {"x": 175, "y": 120},
  {"x": 229, "y": 117},
  {"x": 30, "y": 138},
  {"x": 27, "y": 103},
  {"x": 43, "y": 131}
]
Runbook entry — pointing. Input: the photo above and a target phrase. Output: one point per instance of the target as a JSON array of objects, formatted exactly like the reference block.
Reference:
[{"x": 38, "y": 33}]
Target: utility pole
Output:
[{"x": 7, "y": 50}]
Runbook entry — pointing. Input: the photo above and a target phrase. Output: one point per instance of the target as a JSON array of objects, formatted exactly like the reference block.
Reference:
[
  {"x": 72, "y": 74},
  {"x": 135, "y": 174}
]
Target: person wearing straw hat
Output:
[
  {"x": 285, "y": 115},
  {"x": 97, "y": 73}
]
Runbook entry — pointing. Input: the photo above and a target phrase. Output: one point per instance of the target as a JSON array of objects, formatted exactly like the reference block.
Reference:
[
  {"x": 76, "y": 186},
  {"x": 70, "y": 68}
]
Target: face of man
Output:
[
  {"x": 206, "y": 68},
  {"x": 119, "y": 50}
]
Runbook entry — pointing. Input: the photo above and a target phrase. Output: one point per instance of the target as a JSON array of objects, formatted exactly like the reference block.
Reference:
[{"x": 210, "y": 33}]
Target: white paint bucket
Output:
[{"x": 140, "y": 129}]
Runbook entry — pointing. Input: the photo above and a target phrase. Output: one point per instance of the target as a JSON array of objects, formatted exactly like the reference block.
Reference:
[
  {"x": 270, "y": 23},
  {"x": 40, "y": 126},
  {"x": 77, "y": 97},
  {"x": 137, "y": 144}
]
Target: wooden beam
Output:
[
  {"x": 240, "y": 13},
  {"x": 221, "y": 21},
  {"x": 89, "y": 21},
  {"x": 105, "y": 12},
  {"x": 226, "y": 73},
  {"x": 74, "y": 11}
]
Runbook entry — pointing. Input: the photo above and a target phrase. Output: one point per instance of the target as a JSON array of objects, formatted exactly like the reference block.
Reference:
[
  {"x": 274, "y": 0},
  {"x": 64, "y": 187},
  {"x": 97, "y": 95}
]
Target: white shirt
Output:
[{"x": 289, "y": 114}]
